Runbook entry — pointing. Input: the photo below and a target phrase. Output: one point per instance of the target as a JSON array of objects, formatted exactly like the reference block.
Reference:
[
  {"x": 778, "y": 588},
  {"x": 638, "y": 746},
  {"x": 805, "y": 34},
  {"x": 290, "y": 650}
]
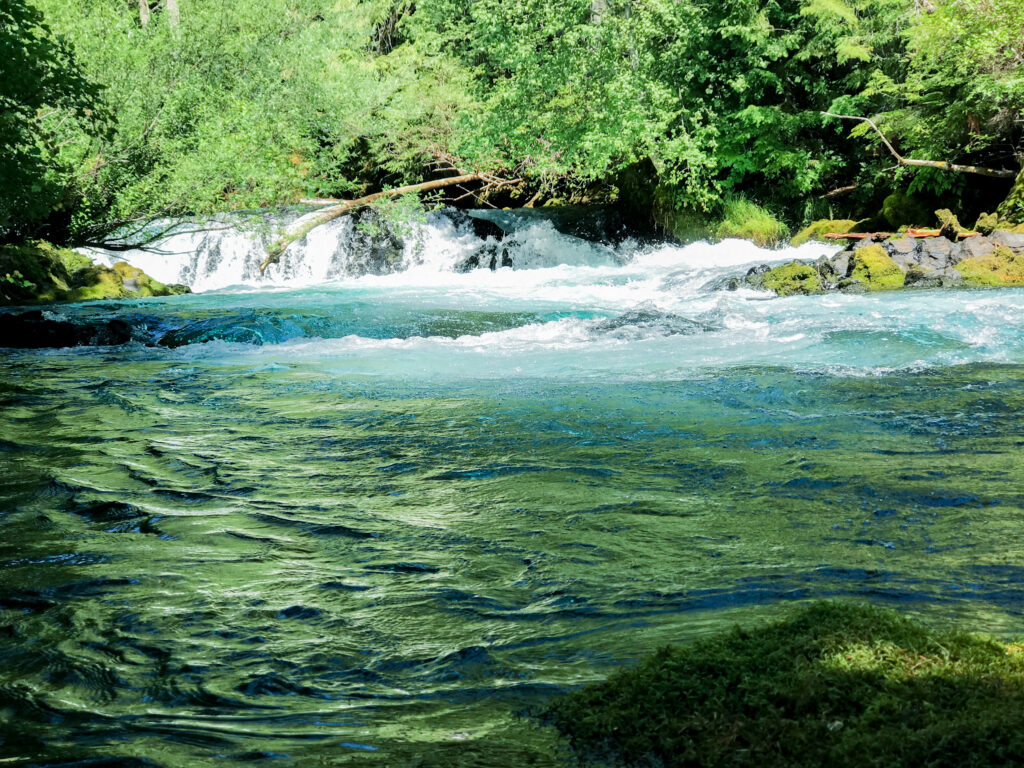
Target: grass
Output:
[
  {"x": 834, "y": 685},
  {"x": 749, "y": 221}
]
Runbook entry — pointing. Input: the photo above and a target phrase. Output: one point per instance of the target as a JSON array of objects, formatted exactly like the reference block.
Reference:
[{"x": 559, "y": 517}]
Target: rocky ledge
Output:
[
  {"x": 38, "y": 272},
  {"x": 996, "y": 259}
]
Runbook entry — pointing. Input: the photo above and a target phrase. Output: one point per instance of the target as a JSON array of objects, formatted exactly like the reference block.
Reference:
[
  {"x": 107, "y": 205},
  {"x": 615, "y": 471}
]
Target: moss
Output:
[
  {"x": 1001, "y": 267},
  {"x": 1011, "y": 209},
  {"x": 39, "y": 272},
  {"x": 793, "y": 278},
  {"x": 875, "y": 270},
  {"x": 986, "y": 223},
  {"x": 902, "y": 209},
  {"x": 816, "y": 229},
  {"x": 749, "y": 221},
  {"x": 32, "y": 272},
  {"x": 835, "y": 684}
]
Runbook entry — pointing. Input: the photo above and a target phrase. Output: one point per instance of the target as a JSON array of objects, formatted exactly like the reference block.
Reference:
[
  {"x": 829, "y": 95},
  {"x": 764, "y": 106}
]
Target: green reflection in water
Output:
[{"x": 216, "y": 561}]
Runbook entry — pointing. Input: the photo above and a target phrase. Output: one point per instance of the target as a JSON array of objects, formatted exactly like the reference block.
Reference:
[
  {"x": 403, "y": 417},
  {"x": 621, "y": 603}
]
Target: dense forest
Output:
[{"x": 116, "y": 111}]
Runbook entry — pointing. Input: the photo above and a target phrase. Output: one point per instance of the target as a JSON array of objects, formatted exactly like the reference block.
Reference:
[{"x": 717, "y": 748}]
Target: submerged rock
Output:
[
  {"x": 39, "y": 330},
  {"x": 654, "y": 322}
]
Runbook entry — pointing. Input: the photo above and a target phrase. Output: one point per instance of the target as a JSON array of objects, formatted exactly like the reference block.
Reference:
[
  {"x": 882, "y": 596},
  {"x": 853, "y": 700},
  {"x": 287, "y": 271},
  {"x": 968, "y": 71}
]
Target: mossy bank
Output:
[
  {"x": 836, "y": 684},
  {"x": 37, "y": 272}
]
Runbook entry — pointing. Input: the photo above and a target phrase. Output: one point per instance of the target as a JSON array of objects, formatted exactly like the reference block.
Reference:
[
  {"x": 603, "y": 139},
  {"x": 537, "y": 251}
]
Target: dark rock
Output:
[
  {"x": 654, "y": 321},
  {"x": 485, "y": 228},
  {"x": 758, "y": 270},
  {"x": 906, "y": 252},
  {"x": 841, "y": 264},
  {"x": 375, "y": 248},
  {"x": 937, "y": 253},
  {"x": 850, "y": 285},
  {"x": 487, "y": 256},
  {"x": 33, "y": 330}
]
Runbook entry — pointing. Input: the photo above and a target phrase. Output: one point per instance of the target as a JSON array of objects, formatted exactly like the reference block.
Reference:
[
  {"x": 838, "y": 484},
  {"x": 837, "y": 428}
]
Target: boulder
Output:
[
  {"x": 1001, "y": 267},
  {"x": 796, "y": 277},
  {"x": 817, "y": 229},
  {"x": 875, "y": 269},
  {"x": 1008, "y": 239}
]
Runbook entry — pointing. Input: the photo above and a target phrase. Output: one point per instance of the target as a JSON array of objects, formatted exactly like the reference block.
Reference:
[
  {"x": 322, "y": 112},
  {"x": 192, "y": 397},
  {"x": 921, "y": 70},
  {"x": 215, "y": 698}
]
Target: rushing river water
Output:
[{"x": 373, "y": 520}]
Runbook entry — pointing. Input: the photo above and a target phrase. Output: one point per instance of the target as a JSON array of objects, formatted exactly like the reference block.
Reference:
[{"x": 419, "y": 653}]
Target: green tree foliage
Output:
[
  {"x": 250, "y": 103},
  {"x": 43, "y": 95}
]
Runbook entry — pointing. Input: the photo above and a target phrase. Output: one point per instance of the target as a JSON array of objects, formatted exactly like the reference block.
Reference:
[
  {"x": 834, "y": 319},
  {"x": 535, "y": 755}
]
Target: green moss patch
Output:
[
  {"x": 793, "y": 278},
  {"x": 1001, "y": 267},
  {"x": 38, "y": 272},
  {"x": 749, "y": 221},
  {"x": 817, "y": 229},
  {"x": 835, "y": 685},
  {"x": 875, "y": 270}
]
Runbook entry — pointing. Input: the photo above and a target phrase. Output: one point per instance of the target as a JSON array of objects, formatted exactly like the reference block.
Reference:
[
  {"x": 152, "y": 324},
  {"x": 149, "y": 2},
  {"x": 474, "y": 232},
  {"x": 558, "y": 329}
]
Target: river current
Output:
[{"x": 331, "y": 518}]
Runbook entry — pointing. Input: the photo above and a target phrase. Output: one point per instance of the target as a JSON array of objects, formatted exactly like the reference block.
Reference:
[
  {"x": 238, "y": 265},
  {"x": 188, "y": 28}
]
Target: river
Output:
[{"x": 338, "y": 518}]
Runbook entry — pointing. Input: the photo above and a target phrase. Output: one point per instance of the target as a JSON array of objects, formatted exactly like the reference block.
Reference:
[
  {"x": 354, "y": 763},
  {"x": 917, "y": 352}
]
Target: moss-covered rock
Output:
[
  {"x": 1000, "y": 267},
  {"x": 1011, "y": 210},
  {"x": 901, "y": 209},
  {"x": 835, "y": 684},
  {"x": 875, "y": 269},
  {"x": 815, "y": 230},
  {"x": 986, "y": 223},
  {"x": 796, "y": 277},
  {"x": 38, "y": 272}
]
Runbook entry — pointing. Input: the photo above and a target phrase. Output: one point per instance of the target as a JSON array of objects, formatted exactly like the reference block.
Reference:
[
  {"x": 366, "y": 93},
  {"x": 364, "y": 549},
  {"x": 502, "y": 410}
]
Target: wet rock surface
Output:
[{"x": 995, "y": 260}]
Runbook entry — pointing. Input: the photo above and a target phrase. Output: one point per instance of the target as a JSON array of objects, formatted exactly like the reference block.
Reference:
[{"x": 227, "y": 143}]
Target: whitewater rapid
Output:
[{"x": 567, "y": 306}]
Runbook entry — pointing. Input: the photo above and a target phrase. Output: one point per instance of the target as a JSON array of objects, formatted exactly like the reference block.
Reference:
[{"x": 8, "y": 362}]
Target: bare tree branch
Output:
[{"x": 990, "y": 172}]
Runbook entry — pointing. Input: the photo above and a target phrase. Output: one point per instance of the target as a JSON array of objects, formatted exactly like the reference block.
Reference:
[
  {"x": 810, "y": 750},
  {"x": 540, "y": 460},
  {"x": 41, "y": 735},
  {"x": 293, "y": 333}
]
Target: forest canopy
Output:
[{"x": 192, "y": 107}]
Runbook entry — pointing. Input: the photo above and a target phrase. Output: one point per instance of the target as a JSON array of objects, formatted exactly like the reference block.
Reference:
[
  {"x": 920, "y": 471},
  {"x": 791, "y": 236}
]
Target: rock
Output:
[
  {"x": 36, "y": 330},
  {"x": 654, "y": 321},
  {"x": 949, "y": 224},
  {"x": 874, "y": 268},
  {"x": 1001, "y": 267},
  {"x": 374, "y": 248},
  {"x": 973, "y": 247},
  {"x": 817, "y": 229},
  {"x": 796, "y": 277},
  {"x": 906, "y": 252},
  {"x": 986, "y": 223},
  {"x": 841, "y": 263},
  {"x": 1012, "y": 208},
  {"x": 850, "y": 285},
  {"x": 1003, "y": 237},
  {"x": 485, "y": 228},
  {"x": 937, "y": 253}
]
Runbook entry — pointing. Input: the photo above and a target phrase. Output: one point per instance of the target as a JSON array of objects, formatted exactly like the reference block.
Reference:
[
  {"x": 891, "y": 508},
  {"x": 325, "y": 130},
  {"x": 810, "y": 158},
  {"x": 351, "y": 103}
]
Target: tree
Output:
[{"x": 42, "y": 89}]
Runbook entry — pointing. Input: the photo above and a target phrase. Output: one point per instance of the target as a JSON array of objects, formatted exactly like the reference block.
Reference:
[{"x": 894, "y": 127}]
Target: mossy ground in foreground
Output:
[{"x": 835, "y": 685}]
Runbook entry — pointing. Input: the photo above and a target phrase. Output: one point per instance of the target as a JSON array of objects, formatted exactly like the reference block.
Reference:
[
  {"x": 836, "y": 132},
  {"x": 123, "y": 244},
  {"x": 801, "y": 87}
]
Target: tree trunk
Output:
[
  {"x": 305, "y": 224},
  {"x": 173, "y": 13},
  {"x": 991, "y": 172},
  {"x": 144, "y": 12}
]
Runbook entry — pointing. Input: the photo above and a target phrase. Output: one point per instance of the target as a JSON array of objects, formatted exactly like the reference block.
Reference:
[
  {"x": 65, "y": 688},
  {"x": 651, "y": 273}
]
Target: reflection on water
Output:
[{"x": 236, "y": 561}]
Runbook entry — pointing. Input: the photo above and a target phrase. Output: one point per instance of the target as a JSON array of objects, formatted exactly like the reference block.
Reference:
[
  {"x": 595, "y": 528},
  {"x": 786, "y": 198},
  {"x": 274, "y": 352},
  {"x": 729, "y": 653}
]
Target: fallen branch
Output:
[
  {"x": 991, "y": 172},
  {"x": 304, "y": 224}
]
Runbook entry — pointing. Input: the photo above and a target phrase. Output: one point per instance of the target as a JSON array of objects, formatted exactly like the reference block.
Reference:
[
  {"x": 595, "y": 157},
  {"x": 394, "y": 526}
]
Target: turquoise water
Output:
[{"x": 374, "y": 522}]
